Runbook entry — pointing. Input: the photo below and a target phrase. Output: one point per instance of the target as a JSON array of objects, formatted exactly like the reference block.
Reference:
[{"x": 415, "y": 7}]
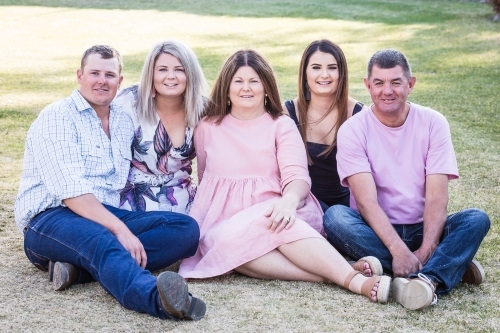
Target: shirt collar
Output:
[{"x": 82, "y": 104}]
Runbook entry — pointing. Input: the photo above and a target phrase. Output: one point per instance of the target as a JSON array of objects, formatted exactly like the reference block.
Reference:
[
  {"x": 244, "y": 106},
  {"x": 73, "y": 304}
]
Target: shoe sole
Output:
[
  {"x": 474, "y": 274},
  {"x": 375, "y": 265},
  {"x": 384, "y": 288},
  {"x": 412, "y": 294},
  {"x": 174, "y": 294},
  {"x": 63, "y": 275},
  {"x": 196, "y": 310}
]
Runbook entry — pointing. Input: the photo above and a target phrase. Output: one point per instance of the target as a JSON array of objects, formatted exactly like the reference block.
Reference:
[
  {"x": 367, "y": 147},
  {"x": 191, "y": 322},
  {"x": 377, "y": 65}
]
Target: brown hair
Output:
[
  {"x": 106, "y": 52},
  {"x": 217, "y": 108},
  {"x": 340, "y": 99}
]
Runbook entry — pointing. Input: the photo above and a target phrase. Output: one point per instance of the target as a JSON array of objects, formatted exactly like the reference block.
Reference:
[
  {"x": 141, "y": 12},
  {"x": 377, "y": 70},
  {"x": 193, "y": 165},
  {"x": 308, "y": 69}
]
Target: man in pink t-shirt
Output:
[{"x": 396, "y": 157}]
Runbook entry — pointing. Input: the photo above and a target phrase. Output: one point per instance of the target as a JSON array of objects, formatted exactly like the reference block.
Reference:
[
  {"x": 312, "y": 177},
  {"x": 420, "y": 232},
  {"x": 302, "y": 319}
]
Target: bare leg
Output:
[
  {"x": 282, "y": 269},
  {"x": 310, "y": 259}
]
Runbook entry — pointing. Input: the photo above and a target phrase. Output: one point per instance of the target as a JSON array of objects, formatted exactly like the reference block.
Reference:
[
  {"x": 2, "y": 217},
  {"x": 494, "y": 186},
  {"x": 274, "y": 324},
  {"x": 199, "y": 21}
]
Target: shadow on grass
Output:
[{"x": 388, "y": 12}]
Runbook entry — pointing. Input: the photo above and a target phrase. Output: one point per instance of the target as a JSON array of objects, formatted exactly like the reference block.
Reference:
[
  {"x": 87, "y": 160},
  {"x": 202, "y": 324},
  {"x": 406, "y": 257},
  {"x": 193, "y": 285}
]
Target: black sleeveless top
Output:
[{"x": 325, "y": 179}]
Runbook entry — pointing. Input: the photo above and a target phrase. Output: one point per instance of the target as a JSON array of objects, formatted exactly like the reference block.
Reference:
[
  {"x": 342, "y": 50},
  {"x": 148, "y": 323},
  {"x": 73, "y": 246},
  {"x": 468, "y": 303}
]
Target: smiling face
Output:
[
  {"x": 169, "y": 78},
  {"x": 246, "y": 90},
  {"x": 389, "y": 89},
  {"x": 322, "y": 74},
  {"x": 99, "y": 81}
]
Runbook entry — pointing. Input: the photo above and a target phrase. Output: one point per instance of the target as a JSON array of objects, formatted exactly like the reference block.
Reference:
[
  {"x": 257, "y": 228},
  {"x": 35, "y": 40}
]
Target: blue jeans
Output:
[
  {"x": 58, "y": 234},
  {"x": 463, "y": 233}
]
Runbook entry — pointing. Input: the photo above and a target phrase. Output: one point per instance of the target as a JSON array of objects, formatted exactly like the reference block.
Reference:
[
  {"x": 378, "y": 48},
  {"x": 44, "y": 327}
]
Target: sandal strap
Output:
[
  {"x": 349, "y": 277},
  {"x": 367, "y": 286}
]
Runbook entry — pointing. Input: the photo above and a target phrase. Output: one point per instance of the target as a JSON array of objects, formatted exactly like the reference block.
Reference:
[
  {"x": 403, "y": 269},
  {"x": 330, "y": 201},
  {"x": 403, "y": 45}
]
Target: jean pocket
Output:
[{"x": 38, "y": 260}]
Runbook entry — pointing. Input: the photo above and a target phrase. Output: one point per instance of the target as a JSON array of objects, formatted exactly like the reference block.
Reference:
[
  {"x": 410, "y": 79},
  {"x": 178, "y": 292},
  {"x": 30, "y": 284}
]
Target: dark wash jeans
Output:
[
  {"x": 58, "y": 234},
  {"x": 463, "y": 233}
]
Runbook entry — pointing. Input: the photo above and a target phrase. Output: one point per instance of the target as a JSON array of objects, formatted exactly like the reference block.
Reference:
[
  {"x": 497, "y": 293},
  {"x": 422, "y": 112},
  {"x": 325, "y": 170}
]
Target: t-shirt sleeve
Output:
[
  {"x": 351, "y": 152},
  {"x": 441, "y": 155},
  {"x": 290, "y": 152}
]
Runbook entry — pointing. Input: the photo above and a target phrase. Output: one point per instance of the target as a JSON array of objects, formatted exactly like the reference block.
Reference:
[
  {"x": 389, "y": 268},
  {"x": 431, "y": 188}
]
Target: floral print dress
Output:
[{"x": 160, "y": 174}]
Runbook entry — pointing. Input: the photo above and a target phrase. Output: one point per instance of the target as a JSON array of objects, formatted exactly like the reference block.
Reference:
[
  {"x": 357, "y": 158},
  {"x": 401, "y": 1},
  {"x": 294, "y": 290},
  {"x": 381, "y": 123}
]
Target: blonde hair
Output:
[{"x": 196, "y": 87}]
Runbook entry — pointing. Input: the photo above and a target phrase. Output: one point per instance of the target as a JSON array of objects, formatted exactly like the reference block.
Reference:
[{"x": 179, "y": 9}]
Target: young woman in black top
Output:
[{"x": 322, "y": 105}]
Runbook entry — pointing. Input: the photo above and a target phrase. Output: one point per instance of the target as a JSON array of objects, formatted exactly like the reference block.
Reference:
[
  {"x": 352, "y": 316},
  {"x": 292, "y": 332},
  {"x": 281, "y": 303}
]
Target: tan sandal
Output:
[
  {"x": 384, "y": 286},
  {"x": 375, "y": 265}
]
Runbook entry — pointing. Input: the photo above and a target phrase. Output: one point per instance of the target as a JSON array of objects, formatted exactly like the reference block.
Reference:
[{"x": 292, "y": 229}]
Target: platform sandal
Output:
[
  {"x": 375, "y": 265},
  {"x": 384, "y": 286}
]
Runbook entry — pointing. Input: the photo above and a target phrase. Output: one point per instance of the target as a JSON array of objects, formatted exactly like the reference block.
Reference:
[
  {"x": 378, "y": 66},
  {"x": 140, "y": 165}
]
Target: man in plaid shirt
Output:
[{"x": 76, "y": 161}]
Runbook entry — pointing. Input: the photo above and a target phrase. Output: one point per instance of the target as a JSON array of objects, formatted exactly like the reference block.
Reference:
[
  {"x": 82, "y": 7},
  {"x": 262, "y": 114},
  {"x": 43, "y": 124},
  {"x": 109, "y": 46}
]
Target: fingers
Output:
[
  {"x": 281, "y": 216},
  {"x": 139, "y": 254},
  {"x": 269, "y": 211},
  {"x": 134, "y": 246},
  {"x": 291, "y": 223},
  {"x": 285, "y": 223},
  {"x": 144, "y": 258}
]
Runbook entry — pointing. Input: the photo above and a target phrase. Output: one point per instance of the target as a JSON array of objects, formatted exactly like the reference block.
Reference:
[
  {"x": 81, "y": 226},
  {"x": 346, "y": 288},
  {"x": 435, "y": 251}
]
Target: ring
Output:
[{"x": 287, "y": 219}]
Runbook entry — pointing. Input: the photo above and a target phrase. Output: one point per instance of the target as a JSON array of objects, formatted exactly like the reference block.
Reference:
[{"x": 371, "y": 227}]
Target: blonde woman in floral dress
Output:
[{"x": 165, "y": 108}]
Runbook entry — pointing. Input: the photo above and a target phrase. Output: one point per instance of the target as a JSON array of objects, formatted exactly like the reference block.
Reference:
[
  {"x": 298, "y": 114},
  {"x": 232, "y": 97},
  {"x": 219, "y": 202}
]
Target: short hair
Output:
[
  {"x": 196, "y": 85},
  {"x": 106, "y": 52},
  {"x": 217, "y": 108},
  {"x": 389, "y": 58},
  {"x": 341, "y": 98}
]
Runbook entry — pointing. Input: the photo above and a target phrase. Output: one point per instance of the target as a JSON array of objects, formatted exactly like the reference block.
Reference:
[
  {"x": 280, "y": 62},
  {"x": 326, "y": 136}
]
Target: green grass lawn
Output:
[{"x": 453, "y": 47}]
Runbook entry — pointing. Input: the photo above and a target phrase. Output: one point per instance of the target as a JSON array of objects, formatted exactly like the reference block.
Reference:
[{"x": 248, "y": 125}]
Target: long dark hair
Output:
[{"x": 341, "y": 98}]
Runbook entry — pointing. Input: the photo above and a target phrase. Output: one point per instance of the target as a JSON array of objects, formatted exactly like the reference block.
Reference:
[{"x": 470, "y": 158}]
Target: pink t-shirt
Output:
[{"x": 398, "y": 158}]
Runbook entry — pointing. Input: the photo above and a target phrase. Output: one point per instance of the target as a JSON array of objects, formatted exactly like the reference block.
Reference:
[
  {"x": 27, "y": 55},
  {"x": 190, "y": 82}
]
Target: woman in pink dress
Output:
[{"x": 254, "y": 206}]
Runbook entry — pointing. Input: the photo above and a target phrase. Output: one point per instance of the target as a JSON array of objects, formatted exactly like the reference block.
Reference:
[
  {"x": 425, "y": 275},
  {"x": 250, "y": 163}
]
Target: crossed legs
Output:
[{"x": 311, "y": 260}]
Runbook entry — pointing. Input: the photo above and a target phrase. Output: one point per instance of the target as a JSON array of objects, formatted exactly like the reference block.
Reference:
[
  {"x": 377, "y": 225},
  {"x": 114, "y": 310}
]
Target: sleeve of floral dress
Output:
[
  {"x": 290, "y": 152},
  {"x": 199, "y": 146}
]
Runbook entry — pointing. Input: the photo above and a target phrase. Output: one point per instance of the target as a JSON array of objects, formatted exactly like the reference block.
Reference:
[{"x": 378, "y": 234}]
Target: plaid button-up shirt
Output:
[{"x": 67, "y": 154}]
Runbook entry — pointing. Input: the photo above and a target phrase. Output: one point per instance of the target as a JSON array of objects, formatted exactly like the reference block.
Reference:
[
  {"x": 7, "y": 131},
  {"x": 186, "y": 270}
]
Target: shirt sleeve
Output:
[
  {"x": 351, "y": 153},
  {"x": 441, "y": 155},
  {"x": 290, "y": 152},
  {"x": 58, "y": 156}
]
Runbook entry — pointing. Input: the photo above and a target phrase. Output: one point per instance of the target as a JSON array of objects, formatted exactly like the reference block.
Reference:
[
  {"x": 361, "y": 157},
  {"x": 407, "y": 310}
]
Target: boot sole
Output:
[
  {"x": 196, "y": 310},
  {"x": 63, "y": 276},
  {"x": 174, "y": 294}
]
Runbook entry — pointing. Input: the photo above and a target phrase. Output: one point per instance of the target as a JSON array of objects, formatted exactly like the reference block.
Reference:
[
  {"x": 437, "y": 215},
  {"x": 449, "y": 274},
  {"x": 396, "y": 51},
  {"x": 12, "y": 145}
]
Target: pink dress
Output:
[{"x": 243, "y": 166}]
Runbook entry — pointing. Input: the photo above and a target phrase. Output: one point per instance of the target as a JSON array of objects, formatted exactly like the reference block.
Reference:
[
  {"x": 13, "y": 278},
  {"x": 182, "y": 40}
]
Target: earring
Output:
[
  {"x": 228, "y": 100},
  {"x": 265, "y": 100},
  {"x": 308, "y": 92}
]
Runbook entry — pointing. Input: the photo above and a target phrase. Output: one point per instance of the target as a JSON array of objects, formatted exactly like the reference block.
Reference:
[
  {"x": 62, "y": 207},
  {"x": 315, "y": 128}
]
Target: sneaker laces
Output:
[{"x": 429, "y": 282}]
